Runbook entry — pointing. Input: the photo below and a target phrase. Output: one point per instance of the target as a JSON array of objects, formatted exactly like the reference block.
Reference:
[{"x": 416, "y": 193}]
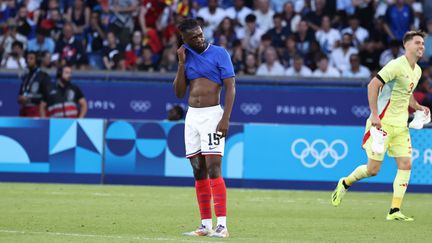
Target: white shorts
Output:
[{"x": 200, "y": 131}]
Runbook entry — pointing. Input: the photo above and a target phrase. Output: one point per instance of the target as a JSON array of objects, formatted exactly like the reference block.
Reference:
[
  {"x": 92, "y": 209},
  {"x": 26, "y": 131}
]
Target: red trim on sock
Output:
[
  {"x": 219, "y": 196},
  {"x": 203, "y": 193}
]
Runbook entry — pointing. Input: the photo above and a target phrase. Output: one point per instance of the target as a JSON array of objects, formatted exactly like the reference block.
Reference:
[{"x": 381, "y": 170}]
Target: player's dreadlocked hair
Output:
[{"x": 187, "y": 24}]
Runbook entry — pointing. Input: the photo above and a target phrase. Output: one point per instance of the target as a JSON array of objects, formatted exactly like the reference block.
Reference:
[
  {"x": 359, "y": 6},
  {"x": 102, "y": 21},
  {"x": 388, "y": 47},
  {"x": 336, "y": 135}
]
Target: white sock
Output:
[
  {"x": 221, "y": 221},
  {"x": 207, "y": 223}
]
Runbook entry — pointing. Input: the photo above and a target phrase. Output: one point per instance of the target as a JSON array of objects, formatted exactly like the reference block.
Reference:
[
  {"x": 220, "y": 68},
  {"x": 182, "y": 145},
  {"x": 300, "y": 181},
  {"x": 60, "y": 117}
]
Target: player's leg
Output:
[
  {"x": 363, "y": 171},
  {"x": 203, "y": 193},
  {"x": 202, "y": 183},
  {"x": 401, "y": 150},
  {"x": 218, "y": 187},
  {"x": 400, "y": 185}
]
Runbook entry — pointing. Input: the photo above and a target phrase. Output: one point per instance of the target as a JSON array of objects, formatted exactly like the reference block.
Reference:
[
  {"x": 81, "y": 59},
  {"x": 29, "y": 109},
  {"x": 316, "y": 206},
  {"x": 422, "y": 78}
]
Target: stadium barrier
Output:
[
  {"x": 152, "y": 153},
  {"x": 288, "y": 101}
]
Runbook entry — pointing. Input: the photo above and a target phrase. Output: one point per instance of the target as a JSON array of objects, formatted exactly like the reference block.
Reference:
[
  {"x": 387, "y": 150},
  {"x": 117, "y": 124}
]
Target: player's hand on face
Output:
[
  {"x": 181, "y": 53},
  {"x": 376, "y": 121},
  {"x": 222, "y": 128}
]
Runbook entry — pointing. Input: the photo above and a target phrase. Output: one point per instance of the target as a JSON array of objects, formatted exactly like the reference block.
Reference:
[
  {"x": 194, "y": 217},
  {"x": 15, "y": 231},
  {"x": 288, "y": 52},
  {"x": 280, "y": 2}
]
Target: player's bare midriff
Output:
[{"x": 204, "y": 93}]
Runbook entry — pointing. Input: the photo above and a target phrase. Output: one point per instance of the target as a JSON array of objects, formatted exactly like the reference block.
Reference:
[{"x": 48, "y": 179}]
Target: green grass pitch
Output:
[{"x": 89, "y": 213}]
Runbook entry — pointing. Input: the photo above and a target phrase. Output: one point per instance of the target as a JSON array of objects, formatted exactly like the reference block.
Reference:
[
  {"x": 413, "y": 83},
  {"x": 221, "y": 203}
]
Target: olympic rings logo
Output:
[
  {"x": 251, "y": 108},
  {"x": 312, "y": 150},
  {"x": 360, "y": 111},
  {"x": 140, "y": 105}
]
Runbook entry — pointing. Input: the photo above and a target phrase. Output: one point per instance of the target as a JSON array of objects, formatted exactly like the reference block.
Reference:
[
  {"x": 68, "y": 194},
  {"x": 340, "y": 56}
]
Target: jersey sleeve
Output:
[
  {"x": 225, "y": 65},
  {"x": 388, "y": 72},
  {"x": 78, "y": 93}
]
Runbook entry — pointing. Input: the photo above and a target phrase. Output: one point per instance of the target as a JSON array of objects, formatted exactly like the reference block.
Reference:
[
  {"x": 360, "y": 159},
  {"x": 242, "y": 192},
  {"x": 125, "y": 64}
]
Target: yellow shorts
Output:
[{"x": 398, "y": 143}]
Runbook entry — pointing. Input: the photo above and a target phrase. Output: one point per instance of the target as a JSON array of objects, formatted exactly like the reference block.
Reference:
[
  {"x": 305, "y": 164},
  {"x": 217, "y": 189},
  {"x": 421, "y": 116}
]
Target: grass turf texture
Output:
[{"x": 88, "y": 213}]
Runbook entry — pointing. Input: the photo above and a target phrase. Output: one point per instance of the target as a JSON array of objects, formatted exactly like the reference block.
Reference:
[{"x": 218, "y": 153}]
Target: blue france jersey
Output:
[{"x": 214, "y": 64}]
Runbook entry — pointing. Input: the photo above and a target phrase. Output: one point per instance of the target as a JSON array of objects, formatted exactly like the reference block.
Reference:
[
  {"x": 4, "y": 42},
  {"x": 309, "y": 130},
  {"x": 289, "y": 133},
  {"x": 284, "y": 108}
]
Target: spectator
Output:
[
  {"x": 31, "y": 89},
  {"x": 112, "y": 53},
  {"x": 150, "y": 13},
  {"x": 251, "y": 65},
  {"x": 238, "y": 57},
  {"x": 370, "y": 55},
  {"x": 226, "y": 29},
  {"x": 315, "y": 18},
  {"x": 271, "y": 66},
  {"x": 289, "y": 17},
  {"x": 134, "y": 50},
  {"x": 238, "y": 13},
  {"x": 340, "y": 57},
  {"x": 427, "y": 9},
  {"x": 328, "y": 37},
  {"x": 212, "y": 15},
  {"x": 423, "y": 91},
  {"x": 15, "y": 59},
  {"x": 289, "y": 52},
  {"x": 358, "y": 33},
  {"x": 79, "y": 16},
  {"x": 311, "y": 58},
  {"x": 264, "y": 14},
  {"x": 146, "y": 63},
  {"x": 24, "y": 24},
  {"x": 324, "y": 70},
  {"x": 394, "y": 51},
  {"x": 42, "y": 42},
  {"x": 46, "y": 63},
  {"x": 68, "y": 50},
  {"x": 264, "y": 45},
  {"x": 253, "y": 34},
  {"x": 355, "y": 70},
  {"x": 64, "y": 99},
  {"x": 427, "y": 56},
  {"x": 298, "y": 69},
  {"x": 304, "y": 37},
  {"x": 7, "y": 11},
  {"x": 10, "y": 36},
  {"x": 417, "y": 8},
  {"x": 278, "y": 33},
  {"x": 54, "y": 23},
  {"x": 365, "y": 11},
  {"x": 176, "y": 113},
  {"x": 121, "y": 18},
  {"x": 95, "y": 36},
  {"x": 399, "y": 19}
]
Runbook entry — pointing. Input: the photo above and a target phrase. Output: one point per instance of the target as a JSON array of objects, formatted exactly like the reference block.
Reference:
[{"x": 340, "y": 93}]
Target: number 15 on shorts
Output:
[{"x": 214, "y": 139}]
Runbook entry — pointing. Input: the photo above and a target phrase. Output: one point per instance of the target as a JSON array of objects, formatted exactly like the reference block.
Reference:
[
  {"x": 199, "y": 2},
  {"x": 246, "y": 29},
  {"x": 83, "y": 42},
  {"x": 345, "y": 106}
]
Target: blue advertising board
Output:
[
  {"x": 51, "y": 148},
  {"x": 152, "y": 152},
  {"x": 269, "y": 104}
]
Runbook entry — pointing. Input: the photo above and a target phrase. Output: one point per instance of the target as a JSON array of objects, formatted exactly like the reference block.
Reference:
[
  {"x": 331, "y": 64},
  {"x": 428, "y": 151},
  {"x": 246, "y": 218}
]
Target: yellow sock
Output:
[
  {"x": 359, "y": 173},
  {"x": 400, "y": 185}
]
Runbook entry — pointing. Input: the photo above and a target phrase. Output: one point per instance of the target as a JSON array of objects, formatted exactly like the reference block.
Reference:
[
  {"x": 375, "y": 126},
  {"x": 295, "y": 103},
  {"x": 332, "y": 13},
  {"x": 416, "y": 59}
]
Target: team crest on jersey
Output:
[
  {"x": 35, "y": 87},
  {"x": 70, "y": 95}
]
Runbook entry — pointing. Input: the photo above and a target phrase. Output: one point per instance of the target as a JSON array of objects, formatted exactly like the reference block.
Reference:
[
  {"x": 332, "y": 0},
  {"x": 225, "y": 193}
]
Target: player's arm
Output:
[
  {"x": 83, "y": 107},
  {"x": 416, "y": 106},
  {"x": 374, "y": 87},
  {"x": 42, "y": 109},
  {"x": 222, "y": 127},
  {"x": 179, "y": 83}
]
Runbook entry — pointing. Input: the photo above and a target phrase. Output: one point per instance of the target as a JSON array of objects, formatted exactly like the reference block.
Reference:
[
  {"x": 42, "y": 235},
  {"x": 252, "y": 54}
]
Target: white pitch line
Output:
[{"x": 100, "y": 236}]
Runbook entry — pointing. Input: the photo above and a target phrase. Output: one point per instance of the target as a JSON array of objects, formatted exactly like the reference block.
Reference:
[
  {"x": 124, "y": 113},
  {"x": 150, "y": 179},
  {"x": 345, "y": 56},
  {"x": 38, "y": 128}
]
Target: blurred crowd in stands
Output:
[{"x": 321, "y": 38}]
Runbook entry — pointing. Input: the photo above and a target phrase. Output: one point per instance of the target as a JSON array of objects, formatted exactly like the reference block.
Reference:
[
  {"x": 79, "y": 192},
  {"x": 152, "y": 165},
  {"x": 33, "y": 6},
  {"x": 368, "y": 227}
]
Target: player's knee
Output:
[{"x": 214, "y": 171}]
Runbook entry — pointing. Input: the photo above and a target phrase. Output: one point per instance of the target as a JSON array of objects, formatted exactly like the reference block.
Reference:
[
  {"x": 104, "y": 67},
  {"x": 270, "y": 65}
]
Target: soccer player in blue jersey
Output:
[{"x": 205, "y": 68}]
